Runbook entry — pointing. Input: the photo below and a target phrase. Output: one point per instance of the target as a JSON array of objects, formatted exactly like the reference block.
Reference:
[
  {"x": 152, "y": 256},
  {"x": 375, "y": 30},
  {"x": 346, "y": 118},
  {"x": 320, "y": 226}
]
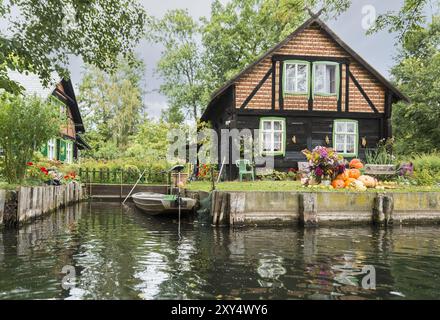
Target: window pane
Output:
[
  {"x": 331, "y": 79},
  {"x": 278, "y": 141},
  {"x": 351, "y": 127},
  {"x": 267, "y": 125},
  {"x": 340, "y": 147},
  {"x": 278, "y": 125},
  {"x": 290, "y": 77},
  {"x": 267, "y": 142},
  {"x": 340, "y": 138},
  {"x": 351, "y": 143},
  {"x": 341, "y": 127},
  {"x": 320, "y": 78},
  {"x": 350, "y": 148},
  {"x": 302, "y": 78}
]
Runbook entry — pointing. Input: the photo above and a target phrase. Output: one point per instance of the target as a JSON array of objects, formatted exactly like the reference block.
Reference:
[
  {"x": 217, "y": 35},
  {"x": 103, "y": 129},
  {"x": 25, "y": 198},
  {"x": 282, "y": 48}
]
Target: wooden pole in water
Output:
[
  {"x": 212, "y": 179},
  {"x": 137, "y": 182}
]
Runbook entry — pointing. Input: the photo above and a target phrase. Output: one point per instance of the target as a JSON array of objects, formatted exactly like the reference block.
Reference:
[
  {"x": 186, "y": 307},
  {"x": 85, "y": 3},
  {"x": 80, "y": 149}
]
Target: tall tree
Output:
[
  {"x": 180, "y": 64},
  {"x": 42, "y": 34},
  {"x": 410, "y": 17},
  {"x": 199, "y": 56},
  {"x": 113, "y": 106},
  {"x": 240, "y": 30},
  {"x": 418, "y": 75}
]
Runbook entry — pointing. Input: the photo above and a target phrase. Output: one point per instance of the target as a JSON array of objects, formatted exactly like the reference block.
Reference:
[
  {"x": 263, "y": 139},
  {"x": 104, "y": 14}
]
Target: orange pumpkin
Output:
[
  {"x": 343, "y": 176},
  {"x": 349, "y": 181},
  {"x": 354, "y": 173},
  {"x": 338, "y": 184},
  {"x": 356, "y": 164}
]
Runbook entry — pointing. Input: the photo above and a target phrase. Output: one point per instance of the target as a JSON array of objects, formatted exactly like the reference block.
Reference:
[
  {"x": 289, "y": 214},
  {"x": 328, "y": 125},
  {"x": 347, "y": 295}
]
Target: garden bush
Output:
[
  {"x": 109, "y": 171},
  {"x": 426, "y": 168}
]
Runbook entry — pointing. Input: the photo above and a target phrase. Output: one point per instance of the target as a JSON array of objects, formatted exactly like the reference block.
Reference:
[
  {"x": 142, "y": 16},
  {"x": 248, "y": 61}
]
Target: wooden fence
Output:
[
  {"x": 28, "y": 203},
  {"x": 121, "y": 176}
]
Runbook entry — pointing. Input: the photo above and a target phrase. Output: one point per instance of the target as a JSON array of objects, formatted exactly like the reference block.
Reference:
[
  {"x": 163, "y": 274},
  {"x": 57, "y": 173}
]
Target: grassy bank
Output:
[{"x": 293, "y": 186}]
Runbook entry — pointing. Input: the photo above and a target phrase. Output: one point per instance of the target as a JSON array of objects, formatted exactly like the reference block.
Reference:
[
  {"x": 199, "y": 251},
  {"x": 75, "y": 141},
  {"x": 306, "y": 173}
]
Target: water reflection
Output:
[{"x": 119, "y": 253}]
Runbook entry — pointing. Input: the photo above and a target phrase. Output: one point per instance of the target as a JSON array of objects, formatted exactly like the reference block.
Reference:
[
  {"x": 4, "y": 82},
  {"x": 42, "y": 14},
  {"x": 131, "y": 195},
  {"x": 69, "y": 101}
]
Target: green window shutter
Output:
[
  {"x": 62, "y": 150},
  {"x": 44, "y": 150}
]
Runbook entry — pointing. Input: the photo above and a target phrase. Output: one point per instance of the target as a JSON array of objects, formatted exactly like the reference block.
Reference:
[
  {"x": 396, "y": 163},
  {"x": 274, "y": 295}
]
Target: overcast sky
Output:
[{"x": 379, "y": 49}]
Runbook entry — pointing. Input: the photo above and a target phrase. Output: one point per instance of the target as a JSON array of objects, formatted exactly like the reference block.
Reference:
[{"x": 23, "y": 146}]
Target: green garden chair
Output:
[{"x": 243, "y": 169}]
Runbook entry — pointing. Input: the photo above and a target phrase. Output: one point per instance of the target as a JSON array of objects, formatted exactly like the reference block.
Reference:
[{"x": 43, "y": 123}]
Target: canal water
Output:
[{"x": 105, "y": 251}]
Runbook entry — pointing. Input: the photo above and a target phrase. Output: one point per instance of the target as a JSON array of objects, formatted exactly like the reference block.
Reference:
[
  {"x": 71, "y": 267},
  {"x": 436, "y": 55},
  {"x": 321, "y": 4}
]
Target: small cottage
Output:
[{"x": 309, "y": 90}]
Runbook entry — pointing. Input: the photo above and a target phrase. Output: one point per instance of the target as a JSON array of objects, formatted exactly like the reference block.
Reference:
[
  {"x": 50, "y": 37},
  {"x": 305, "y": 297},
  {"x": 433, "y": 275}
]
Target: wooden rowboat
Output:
[{"x": 158, "y": 204}]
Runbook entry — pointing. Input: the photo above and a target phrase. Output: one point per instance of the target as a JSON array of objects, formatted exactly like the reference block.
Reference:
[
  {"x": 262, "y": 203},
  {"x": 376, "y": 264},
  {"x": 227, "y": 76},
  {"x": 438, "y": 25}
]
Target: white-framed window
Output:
[
  {"x": 52, "y": 149},
  {"x": 69, "y": 152},
  {"x": 273, "y": 136},
  {"x": 326, "y": 78},
  {"x": 296, "y": 77},
  {"x": 346, "y": 137}
]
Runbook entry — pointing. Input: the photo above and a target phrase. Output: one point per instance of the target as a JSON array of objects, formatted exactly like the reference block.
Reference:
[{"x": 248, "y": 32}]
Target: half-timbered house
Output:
[
  {"x": 309, "y": 90},
  {"x": 66, "y": 147}
]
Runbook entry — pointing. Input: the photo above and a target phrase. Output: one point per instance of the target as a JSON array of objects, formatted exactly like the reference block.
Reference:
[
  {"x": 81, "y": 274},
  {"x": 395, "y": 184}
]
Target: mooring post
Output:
[
  {"x": 388, "y": 208},
  {"x": 225, "y": 209},
  {"x": 2, "y": 205},
  {"x": 308, "y": 209},
  {"x": 383, "y": 209},
  {"x": 378, "y": 215}
]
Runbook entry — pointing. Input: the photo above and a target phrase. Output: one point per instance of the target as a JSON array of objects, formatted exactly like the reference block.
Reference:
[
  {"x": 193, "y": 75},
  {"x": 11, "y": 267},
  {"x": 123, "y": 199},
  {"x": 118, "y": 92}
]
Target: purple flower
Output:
[
  {"x": 323, "y": 153},
  {"x": 319, "y": 172},
  {"x": 341, "y": 168},
  {"x": 406, "y": 169}
]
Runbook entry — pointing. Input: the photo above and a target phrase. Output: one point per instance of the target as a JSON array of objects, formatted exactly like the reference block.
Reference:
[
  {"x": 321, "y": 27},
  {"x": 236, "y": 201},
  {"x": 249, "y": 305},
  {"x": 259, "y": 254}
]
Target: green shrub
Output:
[
  {"x": 274, "y": 176},
  {"x": 26, "y": 123},
  {"x": 382, "y": 154},
  {"x": 426, "y": 168},
  {"x": 125, "y": 170}
]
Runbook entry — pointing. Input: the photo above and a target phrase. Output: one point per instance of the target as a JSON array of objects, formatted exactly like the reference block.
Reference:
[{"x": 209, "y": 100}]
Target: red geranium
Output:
[
  {"x": 44, "y": 170},
  {"x": 30, "y": 164}
]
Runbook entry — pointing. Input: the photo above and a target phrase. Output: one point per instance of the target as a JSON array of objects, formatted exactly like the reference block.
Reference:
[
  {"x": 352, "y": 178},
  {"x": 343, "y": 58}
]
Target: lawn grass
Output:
[{"x": 283, "y": 186}]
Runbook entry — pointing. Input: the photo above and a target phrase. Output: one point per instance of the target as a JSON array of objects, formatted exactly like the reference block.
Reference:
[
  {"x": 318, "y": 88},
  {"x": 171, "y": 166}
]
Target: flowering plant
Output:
[
  {"x": 37, "y": 173},
  {"x": 324, "y": 162},
  {"x": 204, "y": 172},
  {"x": 70, "y": 177}
]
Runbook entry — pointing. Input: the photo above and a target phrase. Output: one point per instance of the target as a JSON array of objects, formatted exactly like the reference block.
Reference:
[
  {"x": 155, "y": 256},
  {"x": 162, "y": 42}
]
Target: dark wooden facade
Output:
[{"x": 257, "y": 92}]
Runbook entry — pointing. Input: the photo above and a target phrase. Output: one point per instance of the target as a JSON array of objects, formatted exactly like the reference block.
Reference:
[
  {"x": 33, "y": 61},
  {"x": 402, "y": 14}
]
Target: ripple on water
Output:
[{"x": 122, "y": 254}]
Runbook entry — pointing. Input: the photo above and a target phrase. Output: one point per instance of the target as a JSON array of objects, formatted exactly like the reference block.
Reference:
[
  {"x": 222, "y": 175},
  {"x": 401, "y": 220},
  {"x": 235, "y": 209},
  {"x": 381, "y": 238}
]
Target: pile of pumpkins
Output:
[{"x": 353, "y": 179}]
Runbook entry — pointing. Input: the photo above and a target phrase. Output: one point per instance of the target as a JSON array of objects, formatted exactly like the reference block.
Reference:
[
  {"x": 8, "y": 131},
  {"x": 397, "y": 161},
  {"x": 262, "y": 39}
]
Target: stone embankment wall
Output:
[{"x": 280, "y": 208}]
